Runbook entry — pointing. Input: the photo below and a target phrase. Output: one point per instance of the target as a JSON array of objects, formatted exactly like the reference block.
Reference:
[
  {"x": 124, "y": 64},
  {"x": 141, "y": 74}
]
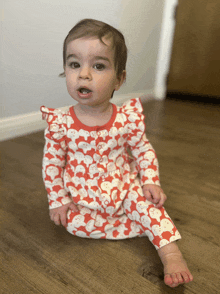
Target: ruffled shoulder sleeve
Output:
[
  {"x": 132, "y": 106},
  {"x": 56, "y": 120},
  {"x": 133, "y": 112}
]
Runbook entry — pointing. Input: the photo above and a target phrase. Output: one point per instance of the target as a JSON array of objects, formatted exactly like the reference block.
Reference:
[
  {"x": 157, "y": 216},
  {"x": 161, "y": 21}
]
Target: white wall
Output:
[
  {"x": 141, "y": 22},
  {"x": 31, "y": 53}
]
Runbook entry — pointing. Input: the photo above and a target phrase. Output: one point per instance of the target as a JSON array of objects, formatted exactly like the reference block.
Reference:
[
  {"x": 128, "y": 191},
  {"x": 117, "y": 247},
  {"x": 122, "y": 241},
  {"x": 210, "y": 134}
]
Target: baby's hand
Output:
[
  {"x": 58, "y": 215},
  {"x": 154, "y": 194}
]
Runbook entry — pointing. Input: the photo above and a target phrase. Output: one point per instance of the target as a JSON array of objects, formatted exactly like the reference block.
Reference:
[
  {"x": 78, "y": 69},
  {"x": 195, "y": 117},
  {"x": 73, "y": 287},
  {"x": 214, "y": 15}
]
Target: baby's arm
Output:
[
  {"x": 148, "y": 167},
  {"x": 144, "y": 155},
  {"x": 58, "y": 215},
  {"x": 54, "y": 161},
  {"x": 154, "y": 194}
]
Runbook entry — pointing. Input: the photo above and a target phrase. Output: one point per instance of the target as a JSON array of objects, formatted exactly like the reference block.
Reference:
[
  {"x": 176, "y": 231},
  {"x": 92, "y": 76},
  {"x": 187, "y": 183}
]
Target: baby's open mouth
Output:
[{"x": 84, "y": 90}]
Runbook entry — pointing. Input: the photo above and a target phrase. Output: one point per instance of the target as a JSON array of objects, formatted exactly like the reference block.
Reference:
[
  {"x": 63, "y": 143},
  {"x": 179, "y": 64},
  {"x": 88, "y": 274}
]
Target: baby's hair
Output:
[{"x": 95, "y": 28}]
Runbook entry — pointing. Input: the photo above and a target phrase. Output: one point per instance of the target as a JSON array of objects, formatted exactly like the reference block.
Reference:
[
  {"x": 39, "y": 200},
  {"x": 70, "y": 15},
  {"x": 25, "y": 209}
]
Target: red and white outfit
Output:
[{"x": 91, "y": 167}]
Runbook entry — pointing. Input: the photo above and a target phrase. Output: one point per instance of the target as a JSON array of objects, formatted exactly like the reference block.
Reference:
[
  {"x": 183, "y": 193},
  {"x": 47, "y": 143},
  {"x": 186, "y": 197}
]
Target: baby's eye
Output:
[
  {"x": 74, "y": 65},
  {"x": 99, "y": 66}
]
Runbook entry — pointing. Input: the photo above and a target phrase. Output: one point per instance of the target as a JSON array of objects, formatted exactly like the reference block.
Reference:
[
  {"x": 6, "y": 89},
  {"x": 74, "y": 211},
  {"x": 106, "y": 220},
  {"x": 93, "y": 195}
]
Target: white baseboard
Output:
[{"x": 21, "y": 125}]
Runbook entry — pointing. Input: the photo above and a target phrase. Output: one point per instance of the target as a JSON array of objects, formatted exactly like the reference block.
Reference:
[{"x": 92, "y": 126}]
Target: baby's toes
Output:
[
  {"x": 175, "y": 280},
  {"x": 180, "y": 278},
  {"x": 168, "y": 280},
  {"x": 187, "y": 277},
  {"x": 171, "y": 280}
]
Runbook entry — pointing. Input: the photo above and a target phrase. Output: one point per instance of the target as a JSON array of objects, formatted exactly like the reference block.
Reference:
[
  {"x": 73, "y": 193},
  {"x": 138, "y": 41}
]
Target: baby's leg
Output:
[
  {"x": 162, "y": 233},
  {"x": 154, "y": 222},
  {"x": 85, "y": 223}
]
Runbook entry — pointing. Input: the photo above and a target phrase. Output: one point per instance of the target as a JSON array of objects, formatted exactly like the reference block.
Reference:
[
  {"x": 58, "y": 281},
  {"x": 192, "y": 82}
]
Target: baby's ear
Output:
[
  {"x": 62, "y": 75},
  {"x": 120, "y": 80}
]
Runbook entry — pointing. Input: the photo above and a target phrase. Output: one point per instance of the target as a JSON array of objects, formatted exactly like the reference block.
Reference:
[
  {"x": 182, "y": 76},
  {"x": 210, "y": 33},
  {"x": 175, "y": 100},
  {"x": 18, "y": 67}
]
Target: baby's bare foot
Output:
[{"x": 175, "y": 268}]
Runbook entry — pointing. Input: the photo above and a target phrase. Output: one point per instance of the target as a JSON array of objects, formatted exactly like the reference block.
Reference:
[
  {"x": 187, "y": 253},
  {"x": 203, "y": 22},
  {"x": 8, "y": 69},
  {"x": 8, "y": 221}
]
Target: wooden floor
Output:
[{"x": 38, "y": 257}]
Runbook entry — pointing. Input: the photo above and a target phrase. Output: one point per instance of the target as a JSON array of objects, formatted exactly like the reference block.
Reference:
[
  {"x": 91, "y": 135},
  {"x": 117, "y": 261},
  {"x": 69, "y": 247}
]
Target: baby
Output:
[{"x": 95, "y": 189}]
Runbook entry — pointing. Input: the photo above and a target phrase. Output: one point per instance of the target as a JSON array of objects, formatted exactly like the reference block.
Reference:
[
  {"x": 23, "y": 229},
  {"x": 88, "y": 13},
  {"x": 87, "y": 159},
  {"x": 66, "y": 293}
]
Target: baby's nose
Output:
[{"x": 85, "y": 73}]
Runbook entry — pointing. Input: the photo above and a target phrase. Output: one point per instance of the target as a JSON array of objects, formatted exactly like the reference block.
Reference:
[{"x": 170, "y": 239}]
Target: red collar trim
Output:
[{"x": 95, "y": 128}]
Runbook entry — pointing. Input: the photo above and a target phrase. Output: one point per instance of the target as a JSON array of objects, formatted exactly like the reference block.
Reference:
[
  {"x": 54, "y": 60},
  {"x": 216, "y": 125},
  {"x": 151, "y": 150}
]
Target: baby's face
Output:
[{"x": 90, "y": 72}]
